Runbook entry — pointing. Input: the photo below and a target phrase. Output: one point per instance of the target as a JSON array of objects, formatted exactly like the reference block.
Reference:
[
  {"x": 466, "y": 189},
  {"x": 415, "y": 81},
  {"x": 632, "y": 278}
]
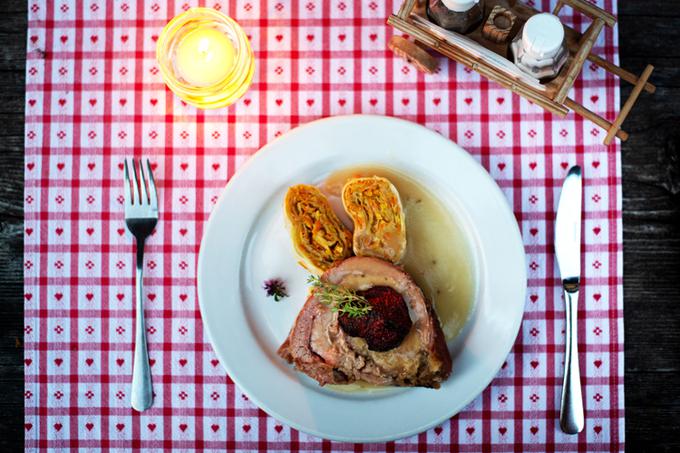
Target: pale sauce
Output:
[{"x": 438, "y": 254}]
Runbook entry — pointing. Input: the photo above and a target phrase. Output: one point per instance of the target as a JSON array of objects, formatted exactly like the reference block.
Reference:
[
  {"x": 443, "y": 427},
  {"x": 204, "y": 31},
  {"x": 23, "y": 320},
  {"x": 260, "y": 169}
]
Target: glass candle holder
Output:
[{"x": 205, "y": 58}]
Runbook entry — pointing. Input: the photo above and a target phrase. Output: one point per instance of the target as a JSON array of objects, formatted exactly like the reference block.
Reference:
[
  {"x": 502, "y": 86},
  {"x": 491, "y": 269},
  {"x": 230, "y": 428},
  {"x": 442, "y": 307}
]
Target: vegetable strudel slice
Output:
[
  {"x": 318, "y": 235},
  {"x": 374, "y": 205}
]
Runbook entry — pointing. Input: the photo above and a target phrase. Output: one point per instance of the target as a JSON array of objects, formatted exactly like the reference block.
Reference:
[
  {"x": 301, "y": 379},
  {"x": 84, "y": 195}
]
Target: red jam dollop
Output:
[{"x": 386, "y": 325}]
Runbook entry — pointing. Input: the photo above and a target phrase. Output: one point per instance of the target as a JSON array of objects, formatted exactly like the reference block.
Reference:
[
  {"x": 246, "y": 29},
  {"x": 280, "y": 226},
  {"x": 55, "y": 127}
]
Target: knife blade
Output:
[
  {"x": 568, "y": 254},
  {"x": 568, "y": 227}
]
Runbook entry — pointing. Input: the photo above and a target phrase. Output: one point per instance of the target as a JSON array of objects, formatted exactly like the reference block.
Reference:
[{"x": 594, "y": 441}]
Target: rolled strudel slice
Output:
[
  {"x": 318, "y": 235},
  {"x": 374, "y": 205}
]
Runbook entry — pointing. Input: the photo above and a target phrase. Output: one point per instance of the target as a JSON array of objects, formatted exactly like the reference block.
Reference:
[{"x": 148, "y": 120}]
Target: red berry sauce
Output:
[{"x": 386, "y": 325}]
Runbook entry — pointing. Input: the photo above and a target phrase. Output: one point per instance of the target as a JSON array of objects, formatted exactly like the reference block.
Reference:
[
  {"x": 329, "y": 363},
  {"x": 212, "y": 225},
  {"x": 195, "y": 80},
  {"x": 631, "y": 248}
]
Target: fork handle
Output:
[
  {"x": 142, "y": 390},
  {"x": 571, "y": 410}
]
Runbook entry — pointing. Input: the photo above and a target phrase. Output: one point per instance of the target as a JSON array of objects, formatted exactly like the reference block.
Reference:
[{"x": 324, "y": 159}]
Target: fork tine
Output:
[
  {"x": 134, "y": 174},
  {"x": 127, "y": 191},
  {"x": 152, "y": 187},
  {"x": 142, "y": 185}
]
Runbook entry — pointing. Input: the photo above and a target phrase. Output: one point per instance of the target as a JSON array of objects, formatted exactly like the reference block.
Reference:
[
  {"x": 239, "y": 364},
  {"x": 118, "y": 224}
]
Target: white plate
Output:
[{"x": 245, "y": 243}]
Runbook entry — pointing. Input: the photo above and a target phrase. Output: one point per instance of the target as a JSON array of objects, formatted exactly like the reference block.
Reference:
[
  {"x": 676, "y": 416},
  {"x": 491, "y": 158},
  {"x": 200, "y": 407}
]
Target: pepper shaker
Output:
[{"x": 461, "y": 16}]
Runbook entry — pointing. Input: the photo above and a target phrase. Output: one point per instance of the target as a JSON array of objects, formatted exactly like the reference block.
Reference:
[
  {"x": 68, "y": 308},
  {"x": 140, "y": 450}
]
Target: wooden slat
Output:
[
  {"x": 406, "y": 8},
  {"x": 594, "y": 117},
  {"x": 630, "y": 102},
  {"x": 587, "y": 43},
  {"x": 413, "y": 30},
  {"x": 558, "y": 8},
  {"x": 620, "y": 72},
  {"x": 592, "y": 11}
]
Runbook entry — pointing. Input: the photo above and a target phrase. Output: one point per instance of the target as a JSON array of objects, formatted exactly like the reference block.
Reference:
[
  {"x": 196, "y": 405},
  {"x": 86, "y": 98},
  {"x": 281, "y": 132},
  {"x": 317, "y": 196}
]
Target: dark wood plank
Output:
[
  {"x": 649, "y": 36},
  {"x": 648, "y": 435},
  {"x": 646, "y": 407},
  {"x": 653, "y": 8},
  {"x": 12, "y": 67},
  {"x": 14, "y": 8},
  {"x": 12, "y": 101},
  {"x": 649, "y": 33},
  {"x": 666, "y": 69}
]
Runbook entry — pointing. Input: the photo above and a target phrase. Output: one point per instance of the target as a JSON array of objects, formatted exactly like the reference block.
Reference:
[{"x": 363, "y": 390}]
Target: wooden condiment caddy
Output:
[{"x": 553, "y": 95}]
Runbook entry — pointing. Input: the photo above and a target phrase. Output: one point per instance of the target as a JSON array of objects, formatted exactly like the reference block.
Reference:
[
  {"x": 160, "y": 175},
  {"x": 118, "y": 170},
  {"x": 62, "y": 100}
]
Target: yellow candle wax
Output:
[{"x": 204, "y": 56}]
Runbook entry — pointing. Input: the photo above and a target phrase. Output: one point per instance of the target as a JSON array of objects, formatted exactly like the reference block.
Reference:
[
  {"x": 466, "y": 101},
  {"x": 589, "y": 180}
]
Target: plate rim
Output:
[{"x": 262, "y": 153}]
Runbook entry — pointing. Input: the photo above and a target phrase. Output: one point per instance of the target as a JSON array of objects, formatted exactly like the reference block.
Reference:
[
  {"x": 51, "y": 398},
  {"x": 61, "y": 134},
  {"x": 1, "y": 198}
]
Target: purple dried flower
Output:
[{"x": 275, "y": 287}]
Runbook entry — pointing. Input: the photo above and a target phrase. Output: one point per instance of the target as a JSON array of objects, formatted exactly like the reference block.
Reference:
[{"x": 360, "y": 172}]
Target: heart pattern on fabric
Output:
[{"x": 313, "y": 59}]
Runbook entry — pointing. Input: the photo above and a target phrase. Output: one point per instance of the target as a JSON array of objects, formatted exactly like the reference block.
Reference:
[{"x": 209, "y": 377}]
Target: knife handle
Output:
[{"x": 571, "y": 410}]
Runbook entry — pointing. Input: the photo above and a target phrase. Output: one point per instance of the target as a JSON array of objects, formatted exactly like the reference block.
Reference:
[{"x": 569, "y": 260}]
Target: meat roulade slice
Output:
[{"x": 319, "y": 347}]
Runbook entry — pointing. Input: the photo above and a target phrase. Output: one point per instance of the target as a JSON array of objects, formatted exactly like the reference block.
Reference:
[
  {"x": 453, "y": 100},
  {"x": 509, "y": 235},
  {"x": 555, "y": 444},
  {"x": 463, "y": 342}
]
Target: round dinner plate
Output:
[{"x": 246, "y": 242}]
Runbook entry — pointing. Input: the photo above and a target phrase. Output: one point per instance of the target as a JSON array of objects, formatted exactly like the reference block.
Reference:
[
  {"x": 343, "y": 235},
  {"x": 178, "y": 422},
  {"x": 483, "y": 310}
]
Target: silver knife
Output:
[{"x": 568, "y": 253}]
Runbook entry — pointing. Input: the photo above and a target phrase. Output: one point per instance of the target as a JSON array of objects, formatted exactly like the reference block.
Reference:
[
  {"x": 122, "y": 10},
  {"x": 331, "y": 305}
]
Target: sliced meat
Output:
[{"x": 320, "y": 348}]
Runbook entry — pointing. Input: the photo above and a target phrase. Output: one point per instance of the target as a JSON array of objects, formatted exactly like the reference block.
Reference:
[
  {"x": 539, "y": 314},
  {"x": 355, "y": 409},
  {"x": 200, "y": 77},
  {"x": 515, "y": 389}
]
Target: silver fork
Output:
[{"x": 141, "y": 216}]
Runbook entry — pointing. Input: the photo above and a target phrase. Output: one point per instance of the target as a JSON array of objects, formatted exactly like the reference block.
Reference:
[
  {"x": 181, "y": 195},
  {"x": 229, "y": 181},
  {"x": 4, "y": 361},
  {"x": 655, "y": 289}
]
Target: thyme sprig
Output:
[{"x": 338, "y": 298}]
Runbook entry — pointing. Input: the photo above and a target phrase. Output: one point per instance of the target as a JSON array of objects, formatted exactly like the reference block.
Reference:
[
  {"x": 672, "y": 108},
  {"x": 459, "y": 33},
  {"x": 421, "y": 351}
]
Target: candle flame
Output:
[{"x": 204, "y": 48}]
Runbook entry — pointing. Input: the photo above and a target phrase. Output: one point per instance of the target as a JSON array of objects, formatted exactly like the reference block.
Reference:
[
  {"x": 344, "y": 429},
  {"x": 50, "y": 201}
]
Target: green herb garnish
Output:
[{"x": 338, "y": 298}]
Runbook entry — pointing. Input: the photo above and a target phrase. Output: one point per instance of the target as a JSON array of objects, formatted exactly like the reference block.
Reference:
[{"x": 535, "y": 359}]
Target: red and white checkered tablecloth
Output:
[{"x": 94, "y": 95}]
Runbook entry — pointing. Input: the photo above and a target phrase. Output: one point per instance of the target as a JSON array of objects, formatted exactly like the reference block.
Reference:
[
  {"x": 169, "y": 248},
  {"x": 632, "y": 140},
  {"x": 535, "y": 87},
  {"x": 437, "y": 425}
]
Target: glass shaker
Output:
[
  {"x": 539, "y": 50},
  {"x": 461, "y": 16}
]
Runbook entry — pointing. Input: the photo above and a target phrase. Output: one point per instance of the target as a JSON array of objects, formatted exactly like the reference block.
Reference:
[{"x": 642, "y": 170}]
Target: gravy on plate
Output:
[{"x": 438, "y": 255}]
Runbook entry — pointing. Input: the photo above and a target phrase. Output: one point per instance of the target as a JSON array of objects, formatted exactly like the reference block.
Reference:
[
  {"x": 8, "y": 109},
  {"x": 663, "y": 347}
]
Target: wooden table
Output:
[{"x": 649, "y": 33}]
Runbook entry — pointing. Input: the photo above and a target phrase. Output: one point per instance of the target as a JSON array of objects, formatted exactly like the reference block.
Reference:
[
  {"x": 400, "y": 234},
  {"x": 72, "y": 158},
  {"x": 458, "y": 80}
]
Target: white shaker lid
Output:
[
  {"x": 459, "y": 6},
  {"x": 543, "y": 35}
]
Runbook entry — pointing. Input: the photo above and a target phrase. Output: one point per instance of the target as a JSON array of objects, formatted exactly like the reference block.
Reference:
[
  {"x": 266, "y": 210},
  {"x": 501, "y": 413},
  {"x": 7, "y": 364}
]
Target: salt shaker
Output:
[
  {"x": 539, "y": 50},
  {"x": 461, "y": 16}
]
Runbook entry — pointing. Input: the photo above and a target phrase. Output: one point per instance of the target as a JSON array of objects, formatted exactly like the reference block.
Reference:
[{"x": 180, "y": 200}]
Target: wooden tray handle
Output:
[
  {"x": 588, "y": 9},
  {"x": 587, "y": 42},
  {"x": 630, "y": 102},
  {"x": 611, "y": 67},
  {"x": 406, "y": 9},
  {"x": 594, "y": 117}
]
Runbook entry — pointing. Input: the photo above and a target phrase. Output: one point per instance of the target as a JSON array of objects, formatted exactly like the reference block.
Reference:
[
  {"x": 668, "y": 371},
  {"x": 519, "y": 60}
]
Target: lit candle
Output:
[{"x": 204, "y": 57}]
